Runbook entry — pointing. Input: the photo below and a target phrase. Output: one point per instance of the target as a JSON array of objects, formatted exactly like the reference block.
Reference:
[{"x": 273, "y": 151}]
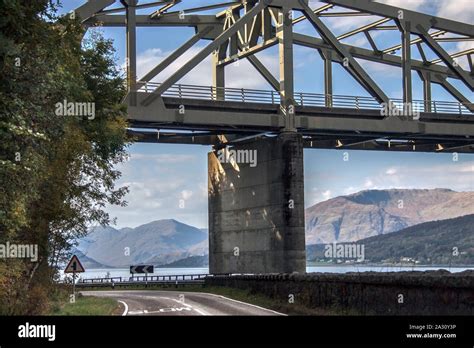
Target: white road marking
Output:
[
  {"x": 189, "y": 306},
  {"x": 199, "y": 311},
  {"x": 126, "y": 308},
  {"x": 161, "y": 310},
  {"x": 244, "y": 303}
]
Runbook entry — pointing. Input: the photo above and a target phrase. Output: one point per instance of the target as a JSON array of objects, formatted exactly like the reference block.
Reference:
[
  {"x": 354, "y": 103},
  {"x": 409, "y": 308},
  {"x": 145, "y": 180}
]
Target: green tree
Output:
[{"x": 56, "y": 172}]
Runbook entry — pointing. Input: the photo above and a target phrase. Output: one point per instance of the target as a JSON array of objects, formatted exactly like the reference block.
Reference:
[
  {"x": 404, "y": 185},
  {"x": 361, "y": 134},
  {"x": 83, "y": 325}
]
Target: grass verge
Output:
[{"x": 86, "y": 305}]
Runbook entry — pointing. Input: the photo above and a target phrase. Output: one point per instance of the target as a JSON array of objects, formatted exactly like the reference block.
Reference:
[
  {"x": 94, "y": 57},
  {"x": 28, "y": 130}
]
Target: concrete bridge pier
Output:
[{"x": 256, "y": 206}]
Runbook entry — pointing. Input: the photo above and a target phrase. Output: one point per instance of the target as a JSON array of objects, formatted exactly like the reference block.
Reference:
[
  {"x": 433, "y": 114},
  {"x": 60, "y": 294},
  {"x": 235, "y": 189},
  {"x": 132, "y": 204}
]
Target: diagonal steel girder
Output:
[
  {"x": 353, "y": 66},
  {"x": 266, "y": 74},
  {"x": 239, "y": 24},
  {"x": 165, "y": 8},
  {"x": 259, "y": 66},
  {"x": 175, "y": 55},
  {"x": 357, "y": 52},
  {"x": 370, "y": 55},
  {"x": 447, "y": 59},
  {"x": 453, "y": 91},
  {"x": 90, "y": 8},
  {"x": 384, "y": 10},
  {"x": 422, "y": 23},
  {"x": 440, "y": 73}
]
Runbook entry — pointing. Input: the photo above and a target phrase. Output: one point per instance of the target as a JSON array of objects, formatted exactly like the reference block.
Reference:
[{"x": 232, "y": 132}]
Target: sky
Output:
[{"x": 170, "y": 181}]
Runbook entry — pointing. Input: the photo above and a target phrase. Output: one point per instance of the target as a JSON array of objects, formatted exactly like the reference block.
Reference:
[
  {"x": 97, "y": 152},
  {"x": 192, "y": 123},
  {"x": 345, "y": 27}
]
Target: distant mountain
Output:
[
  {"x": 428, "y": 243},
  {"x": 377, "y": 212},
  {"x": 342, "y": 219},
  {"x": 157, "y": 242}
]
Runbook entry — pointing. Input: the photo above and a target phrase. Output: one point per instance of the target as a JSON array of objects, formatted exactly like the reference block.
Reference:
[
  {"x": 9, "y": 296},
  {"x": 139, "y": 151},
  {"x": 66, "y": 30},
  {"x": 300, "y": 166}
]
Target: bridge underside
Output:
[{"x": 224, "y": 123}]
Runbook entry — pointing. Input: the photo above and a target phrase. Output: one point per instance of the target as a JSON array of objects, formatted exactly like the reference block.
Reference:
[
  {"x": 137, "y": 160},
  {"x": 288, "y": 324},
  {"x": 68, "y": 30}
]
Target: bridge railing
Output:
[{"x": 248, "y": 95}]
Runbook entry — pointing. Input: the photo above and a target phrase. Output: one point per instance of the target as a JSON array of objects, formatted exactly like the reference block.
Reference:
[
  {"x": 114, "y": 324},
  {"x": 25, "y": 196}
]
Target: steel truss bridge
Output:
[{"x": 169, "y": 112}]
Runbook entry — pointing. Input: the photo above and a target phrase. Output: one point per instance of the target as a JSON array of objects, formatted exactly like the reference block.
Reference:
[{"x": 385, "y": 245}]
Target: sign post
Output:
[{"x": 74, "y": 266}]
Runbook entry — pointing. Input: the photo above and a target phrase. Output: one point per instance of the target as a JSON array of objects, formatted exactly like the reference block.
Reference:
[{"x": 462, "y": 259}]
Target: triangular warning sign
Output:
[{"x": 74, "y": 265}]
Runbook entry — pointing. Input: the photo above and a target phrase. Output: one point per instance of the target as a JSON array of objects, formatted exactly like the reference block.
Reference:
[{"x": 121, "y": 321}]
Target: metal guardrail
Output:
[
  {"x": 137, "y": 279},
  {"x": 302, "y": 99}
]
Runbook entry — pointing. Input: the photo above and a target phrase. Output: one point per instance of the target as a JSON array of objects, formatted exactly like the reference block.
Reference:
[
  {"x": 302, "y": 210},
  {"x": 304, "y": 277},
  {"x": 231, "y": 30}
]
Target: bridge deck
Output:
[{"x": 326, "y": 121}]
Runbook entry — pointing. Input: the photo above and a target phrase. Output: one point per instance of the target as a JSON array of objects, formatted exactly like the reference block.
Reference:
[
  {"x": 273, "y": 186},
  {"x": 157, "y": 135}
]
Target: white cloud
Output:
[
  {"x": 348, "y": 23},
  {"x": 369, "y": 184},
  {"x": 150, "y": 200},
  {"x": 159, "y": 183},
  {"x": 382, "y": 69},
  {"x": 326, "y": 194},
  {"x": 414, "y": 5},
  {"x": 455, "y": 176},
  {"x": 316, "y": 195},
  {"x": 350, "y": 189},
  {"x": 186, "y": 194},
  {"x": 340, "y": 24},
  {"x": 459, "y": 10}
]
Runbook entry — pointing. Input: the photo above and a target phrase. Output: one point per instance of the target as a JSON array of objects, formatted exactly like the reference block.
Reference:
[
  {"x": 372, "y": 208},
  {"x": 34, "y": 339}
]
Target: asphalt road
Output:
[{"x": 150, "y": 302}]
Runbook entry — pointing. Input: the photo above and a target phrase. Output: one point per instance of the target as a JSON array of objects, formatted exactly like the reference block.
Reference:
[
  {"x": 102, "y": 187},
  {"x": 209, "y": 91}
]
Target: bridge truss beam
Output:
[{"x": 245, "y": 28}]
